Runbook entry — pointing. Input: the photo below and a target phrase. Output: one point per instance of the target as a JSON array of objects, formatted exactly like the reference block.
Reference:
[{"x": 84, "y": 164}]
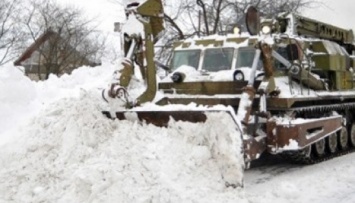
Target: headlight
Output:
[
  {"x": 238, "y": 76},
  {"x": 236, "y": 30},
  {"x": 266, "y": 30},
  {"x": 178, "y": 77}
]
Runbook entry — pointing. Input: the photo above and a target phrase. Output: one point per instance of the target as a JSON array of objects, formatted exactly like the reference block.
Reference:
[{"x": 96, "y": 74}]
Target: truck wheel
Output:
[
  {"x": 352, "y": 135},
  {"x": 343, "y": 139},
  {"x": 319, "y": 148},
  {"x": 332, "y": 143}
]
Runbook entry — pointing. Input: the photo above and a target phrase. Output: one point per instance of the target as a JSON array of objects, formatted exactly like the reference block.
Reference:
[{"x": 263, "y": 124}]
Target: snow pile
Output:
[
  {"x": 17, "y": 93},
  {"x": 66, "y": 151},
  {"x": 69, "y": 152},
  {"x": 72, "y": 153},
  {"x": 84, "y": 78},
  {"x": 289, "y": 88},
  {"x": 14, "y": 87},
  {"x": 22, "y": 98}
]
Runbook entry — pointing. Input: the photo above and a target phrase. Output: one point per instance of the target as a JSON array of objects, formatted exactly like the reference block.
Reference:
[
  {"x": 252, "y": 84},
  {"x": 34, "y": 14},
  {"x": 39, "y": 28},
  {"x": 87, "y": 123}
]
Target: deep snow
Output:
[
  {"x": 66, "y": 151},
  {"x": 57, "y": 147}
]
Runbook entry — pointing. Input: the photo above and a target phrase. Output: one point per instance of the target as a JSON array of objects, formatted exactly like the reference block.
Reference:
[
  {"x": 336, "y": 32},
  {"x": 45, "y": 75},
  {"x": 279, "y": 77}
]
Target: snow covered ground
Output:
[{"x": 56, "y": 146}]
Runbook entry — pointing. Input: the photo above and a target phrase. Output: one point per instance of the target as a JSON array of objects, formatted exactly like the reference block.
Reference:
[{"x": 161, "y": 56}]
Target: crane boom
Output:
[{"x": 312, "y": 28}]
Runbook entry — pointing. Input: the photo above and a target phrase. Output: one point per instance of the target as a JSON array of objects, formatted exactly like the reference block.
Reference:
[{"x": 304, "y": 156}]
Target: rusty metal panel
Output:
[
  {"x": 253, "y": 148},
  {"x": 271, "y": 135},
  {"x": 304, "y": 133},
  {"x": 201, "y": 101},
  {"x": 160, "y": 118}
]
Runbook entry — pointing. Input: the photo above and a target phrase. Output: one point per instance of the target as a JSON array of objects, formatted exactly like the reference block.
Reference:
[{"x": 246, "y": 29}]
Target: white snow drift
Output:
[{"x": 56, "y": 146}]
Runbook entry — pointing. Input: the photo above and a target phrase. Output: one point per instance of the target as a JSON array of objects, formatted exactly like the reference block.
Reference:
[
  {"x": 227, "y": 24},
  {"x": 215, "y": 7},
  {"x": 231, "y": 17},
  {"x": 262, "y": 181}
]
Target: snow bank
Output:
[
  {"x": 72, "y": 153},
  {"x": 84, "y": 78},
  {"x": 14, "y": 87},
  {"x": 69, "y": 152},
  {"x": 17, "y": 94},
  {"x": 22, "y": 98}
]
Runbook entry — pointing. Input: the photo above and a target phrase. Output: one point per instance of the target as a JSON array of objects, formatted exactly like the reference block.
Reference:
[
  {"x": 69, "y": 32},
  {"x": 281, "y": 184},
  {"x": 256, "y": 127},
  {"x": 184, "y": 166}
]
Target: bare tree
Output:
[
  {"x": 208, "y": 17},
  {"x": 8, "y": 29},
  {"x": 187, "y": 18},
  {"x": 273, "y": 7},
  {"x": 71, "y": 40},
  {"x": 219, "y": 15}
]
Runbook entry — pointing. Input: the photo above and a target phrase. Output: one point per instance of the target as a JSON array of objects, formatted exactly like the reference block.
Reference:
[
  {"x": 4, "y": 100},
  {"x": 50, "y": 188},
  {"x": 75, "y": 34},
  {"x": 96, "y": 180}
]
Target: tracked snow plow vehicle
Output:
[{"x": 288, "y": 85}]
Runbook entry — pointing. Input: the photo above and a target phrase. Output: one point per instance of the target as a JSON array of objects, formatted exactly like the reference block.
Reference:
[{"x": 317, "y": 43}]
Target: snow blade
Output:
[
  {"x": 159, "y": 118},
  {"x": 218, "y": 129}
]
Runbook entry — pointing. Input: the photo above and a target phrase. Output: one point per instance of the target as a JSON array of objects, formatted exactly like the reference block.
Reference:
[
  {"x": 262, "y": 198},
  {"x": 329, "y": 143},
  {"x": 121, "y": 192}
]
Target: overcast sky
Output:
[
  {"x": 335, "y": 12},
  {"x": 104, "y": 11}
]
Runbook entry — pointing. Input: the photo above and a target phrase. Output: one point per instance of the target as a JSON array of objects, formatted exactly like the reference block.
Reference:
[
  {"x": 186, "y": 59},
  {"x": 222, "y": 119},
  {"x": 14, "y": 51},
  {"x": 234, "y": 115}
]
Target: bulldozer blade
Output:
[{"x": 159, "y": 118}]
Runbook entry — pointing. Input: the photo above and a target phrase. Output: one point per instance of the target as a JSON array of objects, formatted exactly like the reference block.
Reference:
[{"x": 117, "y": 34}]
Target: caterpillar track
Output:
[
  {"x": 300, "y": 157},
  {"x": 337, "y": 144}
]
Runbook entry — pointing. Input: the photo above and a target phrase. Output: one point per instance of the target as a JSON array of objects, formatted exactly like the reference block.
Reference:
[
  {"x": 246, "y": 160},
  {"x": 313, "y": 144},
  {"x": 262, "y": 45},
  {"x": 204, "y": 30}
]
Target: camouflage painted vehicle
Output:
[{"x": 289, "y": 82}]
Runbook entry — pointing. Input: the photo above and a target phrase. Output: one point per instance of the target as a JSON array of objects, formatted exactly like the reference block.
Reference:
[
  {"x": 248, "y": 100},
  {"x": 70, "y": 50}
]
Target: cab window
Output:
[
  {"x": 245, "y": 58},
  {"x": 185, "y": 57},
  {"x": 217, "y": 59},
  {"x": 283, "y": 52}
]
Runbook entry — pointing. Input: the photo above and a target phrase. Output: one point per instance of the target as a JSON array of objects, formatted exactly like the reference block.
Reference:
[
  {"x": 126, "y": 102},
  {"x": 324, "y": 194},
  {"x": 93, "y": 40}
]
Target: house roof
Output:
[
  {"x": 34, "y": 46},
  {"x": 40, "y": 41}
]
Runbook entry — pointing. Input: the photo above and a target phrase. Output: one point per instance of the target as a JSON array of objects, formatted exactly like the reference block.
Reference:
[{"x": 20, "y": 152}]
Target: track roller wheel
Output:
[
  {"x": 306, "y": 152},
  {"x": 332, "y": 143},
  {"x": 303, "y": 156},
  {"x": 343, "y": 139},
  {"x": 319, "y": 148},
  {"x": 352, "y": 135}
]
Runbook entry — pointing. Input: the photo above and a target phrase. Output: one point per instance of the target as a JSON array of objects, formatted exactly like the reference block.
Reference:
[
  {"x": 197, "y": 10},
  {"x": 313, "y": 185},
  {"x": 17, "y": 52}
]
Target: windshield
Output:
[
  {"x": 245, "y": 58},
  {"x": 186, "y": 57},
  {"x": 218, "y": 59}
]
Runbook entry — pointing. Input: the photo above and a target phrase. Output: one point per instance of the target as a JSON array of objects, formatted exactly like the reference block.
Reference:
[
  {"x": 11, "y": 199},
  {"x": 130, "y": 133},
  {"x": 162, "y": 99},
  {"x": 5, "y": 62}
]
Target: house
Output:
[{"x": 51, "y": 54}]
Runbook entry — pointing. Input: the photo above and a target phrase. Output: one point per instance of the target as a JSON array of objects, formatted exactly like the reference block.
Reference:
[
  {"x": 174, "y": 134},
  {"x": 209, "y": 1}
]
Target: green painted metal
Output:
[
  {"x": 205, "y": 87},
  {"x": 329, "y": 56},
  {"x": 153, "y": 10},
  {"x": 313, "y": 28},
  {"x": 150, "y": 70}
]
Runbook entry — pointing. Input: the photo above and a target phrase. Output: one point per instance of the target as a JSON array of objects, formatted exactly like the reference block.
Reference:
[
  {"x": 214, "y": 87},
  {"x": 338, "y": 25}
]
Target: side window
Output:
[{"x": 283, "y": 52}]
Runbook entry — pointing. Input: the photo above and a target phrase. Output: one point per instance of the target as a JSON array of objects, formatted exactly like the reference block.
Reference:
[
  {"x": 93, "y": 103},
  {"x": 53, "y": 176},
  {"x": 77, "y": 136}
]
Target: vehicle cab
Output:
[{"x": 216, "y": 58}]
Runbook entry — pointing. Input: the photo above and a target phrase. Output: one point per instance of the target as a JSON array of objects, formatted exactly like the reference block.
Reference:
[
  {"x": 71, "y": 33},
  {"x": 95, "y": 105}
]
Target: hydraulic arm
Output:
[{"x": 143, "y": 26}]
